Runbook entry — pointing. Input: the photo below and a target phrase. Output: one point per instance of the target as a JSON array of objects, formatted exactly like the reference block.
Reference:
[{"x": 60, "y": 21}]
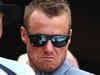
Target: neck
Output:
[{"x": 36, "y": 71}]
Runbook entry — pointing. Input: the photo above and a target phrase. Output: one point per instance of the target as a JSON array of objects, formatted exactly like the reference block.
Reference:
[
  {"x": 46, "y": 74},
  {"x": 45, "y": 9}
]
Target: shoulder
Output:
[
  {"x": 19, "y": 69},
  {"x": 76, "y": 71},
  {"x": 67, "y": 69},
  {"x": 6, "y": 71}
]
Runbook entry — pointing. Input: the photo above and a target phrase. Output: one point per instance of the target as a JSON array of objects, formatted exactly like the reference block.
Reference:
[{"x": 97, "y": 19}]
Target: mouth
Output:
[{"x": 49, "y": 58}]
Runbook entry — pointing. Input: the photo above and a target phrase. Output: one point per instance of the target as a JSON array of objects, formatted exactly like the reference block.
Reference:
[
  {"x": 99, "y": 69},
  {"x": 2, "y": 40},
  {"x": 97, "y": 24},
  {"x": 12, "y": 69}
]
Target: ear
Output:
[
  {"x": 23, "y": 34},
  {"x": 1, "y": 31},
  {"x": 70, "y": 34}
]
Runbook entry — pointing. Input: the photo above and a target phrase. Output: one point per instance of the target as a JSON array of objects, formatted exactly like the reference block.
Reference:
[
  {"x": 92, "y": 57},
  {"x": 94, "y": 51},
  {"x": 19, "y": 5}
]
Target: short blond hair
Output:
[{"x": 49, "y": 7}]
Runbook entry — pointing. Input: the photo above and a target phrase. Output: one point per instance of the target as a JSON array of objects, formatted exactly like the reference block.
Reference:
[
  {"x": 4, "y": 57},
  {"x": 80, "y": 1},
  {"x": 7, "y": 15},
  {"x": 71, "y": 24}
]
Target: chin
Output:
[{"x": 48, "y": 67}]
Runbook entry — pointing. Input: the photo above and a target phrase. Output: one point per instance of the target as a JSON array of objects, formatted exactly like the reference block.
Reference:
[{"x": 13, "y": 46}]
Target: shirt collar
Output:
[{"x": 62, "y": 69}]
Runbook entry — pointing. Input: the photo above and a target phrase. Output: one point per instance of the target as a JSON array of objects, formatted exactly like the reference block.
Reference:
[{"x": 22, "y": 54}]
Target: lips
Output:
[{"x": 49, "y": 58}]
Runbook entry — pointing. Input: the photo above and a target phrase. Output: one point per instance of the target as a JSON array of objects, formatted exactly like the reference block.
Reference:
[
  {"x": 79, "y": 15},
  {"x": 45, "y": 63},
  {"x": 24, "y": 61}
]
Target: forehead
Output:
[{"x": 39, "y": 22}]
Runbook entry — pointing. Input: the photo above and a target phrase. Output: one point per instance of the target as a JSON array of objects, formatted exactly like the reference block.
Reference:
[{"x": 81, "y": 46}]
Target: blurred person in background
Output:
[{"x": 9, "y": 14}]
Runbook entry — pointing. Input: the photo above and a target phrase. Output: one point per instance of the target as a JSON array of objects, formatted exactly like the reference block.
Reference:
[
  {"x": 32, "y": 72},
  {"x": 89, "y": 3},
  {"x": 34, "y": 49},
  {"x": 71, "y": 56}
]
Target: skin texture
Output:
[{"x": 46, "y": 58}]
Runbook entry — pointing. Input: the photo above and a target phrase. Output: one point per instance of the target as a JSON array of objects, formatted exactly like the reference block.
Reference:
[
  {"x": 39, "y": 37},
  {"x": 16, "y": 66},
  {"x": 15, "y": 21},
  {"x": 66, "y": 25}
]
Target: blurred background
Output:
[
  {"x": 86, "y": 34},
  {"x": 85, "y": 43}
]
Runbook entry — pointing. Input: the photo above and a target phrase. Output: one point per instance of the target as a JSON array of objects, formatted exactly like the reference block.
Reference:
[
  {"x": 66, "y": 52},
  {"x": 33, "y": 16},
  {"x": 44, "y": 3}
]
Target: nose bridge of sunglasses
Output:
[
  {"x": 49, "y": 44},
  {"x": 47, "y": 38}
]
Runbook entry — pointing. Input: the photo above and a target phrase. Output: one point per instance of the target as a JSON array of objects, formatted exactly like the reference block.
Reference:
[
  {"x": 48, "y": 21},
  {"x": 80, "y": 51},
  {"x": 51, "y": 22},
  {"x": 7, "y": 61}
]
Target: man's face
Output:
[{"x": 48, "y": 57}]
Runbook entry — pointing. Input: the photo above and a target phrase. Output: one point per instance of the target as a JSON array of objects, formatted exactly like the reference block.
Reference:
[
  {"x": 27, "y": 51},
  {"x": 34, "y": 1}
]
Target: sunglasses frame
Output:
[{"x": 49, "y": 37}]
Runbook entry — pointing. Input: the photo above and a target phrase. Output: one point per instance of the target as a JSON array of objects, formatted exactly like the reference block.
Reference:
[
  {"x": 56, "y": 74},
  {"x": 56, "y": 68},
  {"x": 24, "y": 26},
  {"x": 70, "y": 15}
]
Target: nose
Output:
[{"x": 49, "y": 48}]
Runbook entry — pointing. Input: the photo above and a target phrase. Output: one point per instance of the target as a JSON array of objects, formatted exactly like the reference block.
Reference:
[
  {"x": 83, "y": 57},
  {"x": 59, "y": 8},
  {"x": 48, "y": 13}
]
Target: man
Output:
[
  {"x": 46, "y": 33},
  {"x": 10, "y": 14}
]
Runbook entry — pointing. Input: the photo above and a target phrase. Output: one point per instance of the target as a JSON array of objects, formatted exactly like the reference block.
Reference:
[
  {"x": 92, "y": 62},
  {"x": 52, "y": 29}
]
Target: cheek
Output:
[
  {"x": 34, "y": 53},
  {"x": 62, "y": 54},
  {"x": 31, "y": 52}
]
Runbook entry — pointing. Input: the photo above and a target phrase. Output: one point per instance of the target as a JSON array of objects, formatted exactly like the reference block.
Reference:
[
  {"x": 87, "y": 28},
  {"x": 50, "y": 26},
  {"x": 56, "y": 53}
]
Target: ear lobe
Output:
[
  {"x": 70, "y": 34},
  {"x": 23, "y": 34},
  {"x": 1, "y": 31}
]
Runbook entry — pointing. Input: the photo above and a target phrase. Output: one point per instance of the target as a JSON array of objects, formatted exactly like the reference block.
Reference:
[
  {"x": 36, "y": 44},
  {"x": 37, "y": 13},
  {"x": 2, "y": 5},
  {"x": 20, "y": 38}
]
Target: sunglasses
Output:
[{"x": 39, "y": 40}]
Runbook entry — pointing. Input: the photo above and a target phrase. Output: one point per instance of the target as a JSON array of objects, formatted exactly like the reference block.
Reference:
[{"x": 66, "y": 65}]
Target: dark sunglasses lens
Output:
[
  {"x": 60, "y": 41},
  {"x": 38, "y": 40}
]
